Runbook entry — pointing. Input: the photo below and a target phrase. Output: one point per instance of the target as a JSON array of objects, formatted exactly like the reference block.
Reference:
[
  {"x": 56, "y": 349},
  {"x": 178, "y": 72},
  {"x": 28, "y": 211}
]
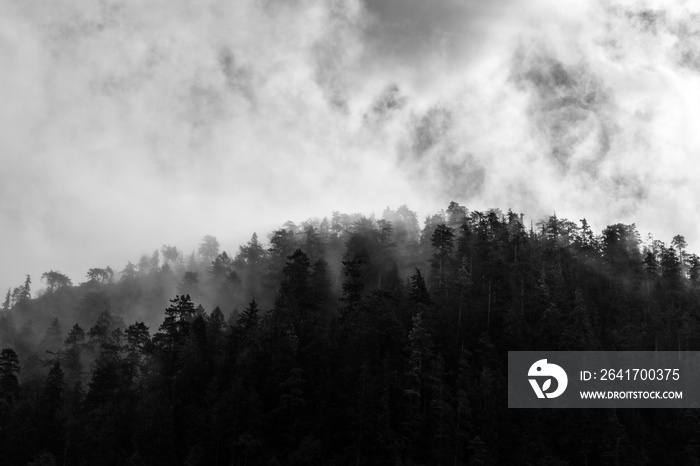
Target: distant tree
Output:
[
  {"x": 144, "y": 265},
  {"x": 577, "y": 334},
  {"x": 651, "y": 264},
  {"x": 94, "y": 274},
  {"x": 559, "y": 230},
  {"x": 53, "y": 338},
  {"x": 26, "y": 289},
  {"x": 249, "y": 261},
  {"x": 252, "y": 252},
  {"x": 216, "y": 321},
  {"x": 216, "y": 325},
  {"x": 26, "y": 335},
  {"x": 420, "y": 354},
  {"x": 71, "y": 357},
  {"x": 92, "y": 304},
  {"x": 9, "y": 368},
  {"x": 313, "y": 244},
  {"x": 294, "y": 290},
  {"x": 138, "y": 341},
  {"x": 22, "y": 292},
  {"x": 99, "y": 333},
  {"x": 282, "y": 245},
  {"x": 191, "y": 262},
  {"x": 456, "y": 215},
  {"x": 291, "y": 226},
  {"x": 208, "y": 249},
  {"x": 586, "y": 239},
  {"x": 249, "y": 318},
  {"x": 680, "y": 244},
  {"x": 189, "y": 283},
  {"x": 443, "y": 242},
  {"x": 16, "y": 295},
  {"x": 137, "y": 336},
  {"x": 353, "y": 286},
  {"x": 178, "y": 316},
  {"x": 8, "y": 301},
  {"x": 419, "y": 292},
  {"x": 220, "y": 266},
  {"x": 107, "y": 379},
  {"x": 129, "y": 272},
  {"x": 405, "y": 223},
  {"x": 170, "y": 253},
  {"x": 75, "y": 336},
  {"x": 155, "y": 260},
  {"x": 55, "y": 280},
  {"x": 425, "y": 244},
  {"x": 52, "y": 395},
  {"x": 621, "y": 246},
  {"x": 670, "y": 267},
  {"x": 100, "y": 275},
  {"x": 386, "y": 231},
  {"x": 8, "y": 333},
  {"x": 694, "y": 269}
]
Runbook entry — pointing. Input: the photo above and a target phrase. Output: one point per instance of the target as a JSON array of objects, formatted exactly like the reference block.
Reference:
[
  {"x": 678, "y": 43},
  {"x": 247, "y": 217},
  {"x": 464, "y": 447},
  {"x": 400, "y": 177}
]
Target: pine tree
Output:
[
  {"x": 419, "y": 292},
  {"x": 22, "y": 293},
  {"x": 294, "y": 295},
  {"x": 249, "y": 318},
  {"x": 313, "y": 244},
  {"x": 128, "y": 273},
  {"x": 137, "y": 337},
  {"x": 138, "y": 342},
  {"x": 9, "y": 368},
  {"x": 100, "y": 332},
  {"x": 26, "y": 289},
  {"x": 282, "y": 245},
  {"x": 52, "y": 395},
  {"x": 75, "y": 336},
  {"x": 71, "y": 357},
  {"x": 443, "y": 242},
  {"x": 178, "y": 316},
  {"x": 215, "y": 326},
  {"x": 8, "y": 301},
  {"x": 53, "y": 338}
]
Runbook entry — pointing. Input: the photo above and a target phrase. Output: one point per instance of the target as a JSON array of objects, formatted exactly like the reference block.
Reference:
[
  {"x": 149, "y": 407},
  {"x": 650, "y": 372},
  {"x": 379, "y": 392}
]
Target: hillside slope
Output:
[{"x": 349, "y": 340}]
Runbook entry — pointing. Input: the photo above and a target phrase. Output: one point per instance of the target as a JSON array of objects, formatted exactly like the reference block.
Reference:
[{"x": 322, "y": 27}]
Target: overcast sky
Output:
[{"x": 127, "y": 124}]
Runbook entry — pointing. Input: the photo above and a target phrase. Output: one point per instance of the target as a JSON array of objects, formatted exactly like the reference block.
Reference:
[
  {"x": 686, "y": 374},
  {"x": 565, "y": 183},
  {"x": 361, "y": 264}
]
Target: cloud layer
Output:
[{"x": 128, "y": 125}]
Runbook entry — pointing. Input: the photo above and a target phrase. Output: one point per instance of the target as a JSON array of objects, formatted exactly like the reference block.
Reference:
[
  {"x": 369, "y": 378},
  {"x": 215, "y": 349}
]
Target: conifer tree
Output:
[
  {"x": 177, "y": 322},
  {"x": 9, "y": 368}
]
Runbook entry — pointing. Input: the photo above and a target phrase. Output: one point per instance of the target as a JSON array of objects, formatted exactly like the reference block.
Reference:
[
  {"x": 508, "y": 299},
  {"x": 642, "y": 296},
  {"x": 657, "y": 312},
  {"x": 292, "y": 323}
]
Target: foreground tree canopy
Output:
[{"x": 348, "y": 340}]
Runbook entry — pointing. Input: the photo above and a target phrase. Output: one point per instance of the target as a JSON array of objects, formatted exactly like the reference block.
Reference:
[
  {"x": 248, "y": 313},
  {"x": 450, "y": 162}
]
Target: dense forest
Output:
[{"x": 348, "y": 340}]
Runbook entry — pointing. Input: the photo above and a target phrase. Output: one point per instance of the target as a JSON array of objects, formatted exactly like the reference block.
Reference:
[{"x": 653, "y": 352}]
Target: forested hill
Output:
[{"x": 347, "y": 340}]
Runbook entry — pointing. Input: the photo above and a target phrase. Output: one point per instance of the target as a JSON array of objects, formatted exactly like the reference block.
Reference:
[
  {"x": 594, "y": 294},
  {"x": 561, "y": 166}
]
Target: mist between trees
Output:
[{"x": 345, "y": 340}]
